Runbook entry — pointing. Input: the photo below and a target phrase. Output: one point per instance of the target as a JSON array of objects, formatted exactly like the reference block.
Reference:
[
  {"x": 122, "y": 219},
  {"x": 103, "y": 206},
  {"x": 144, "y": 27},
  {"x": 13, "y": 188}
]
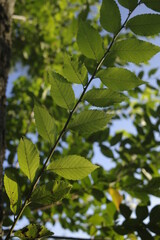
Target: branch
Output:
[
  {"x": 27, "y": 201},
  {"x": 18, "y": 17}
]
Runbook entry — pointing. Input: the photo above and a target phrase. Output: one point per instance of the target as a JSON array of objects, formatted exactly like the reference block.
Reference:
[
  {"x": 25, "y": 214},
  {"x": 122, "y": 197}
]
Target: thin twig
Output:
[{"x": 27, "y": 201}]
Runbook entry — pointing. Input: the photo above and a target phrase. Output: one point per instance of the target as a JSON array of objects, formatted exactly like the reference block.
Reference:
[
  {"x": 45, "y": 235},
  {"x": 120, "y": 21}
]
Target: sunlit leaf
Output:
[
  {"x": 61, "y": 91},
  {"x": 119, "y": 79},
  {"x": 135, "y": 50},
  {"x": 145, "y": 24},
  {"x": 28, "y": 158},
  {"x": 89, "y": 41},
  {"x": 33, "y": 231},
  {"x": 72, "y": 167},
  {"x": 103, "y": 97},
  {"x": 45, "y": 123},
  {"x": 13, "y": 191},
  {"x": 110, "y": 17},
  {"x": 90, "y": 121},
  {"x": 96, "y": 220},
  {"x": 50, "y": 192},
  {"x": 74, "y": 71},
  {"x": 116, "y": 197}
]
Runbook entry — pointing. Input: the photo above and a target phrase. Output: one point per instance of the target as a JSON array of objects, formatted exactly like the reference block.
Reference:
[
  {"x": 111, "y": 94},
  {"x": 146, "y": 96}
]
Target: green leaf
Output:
[
  {"x": 103, "y": 97},
  {"x": 119, "y": 79},
  {"x": 61, "y": 91},
  {"x": 134, "y": 50},
  {"x": 90, "y": 121},
  {"x": 129, "y": 4},
  {"x": 33, "y": 231},
  {"x": 141, "y": 212},
  {"x": 89, "y": 41},
  {"x": 116, "y": 139},
  {"x": 110, "y": 17},
  {"x": 106, "y": 151},
  {"x": 13, "y": 191},
  {"x": 125, "y": 211},
  {"x": 144, "y": 234},
  {"x": 50, "y": 193},
  {"x": 96, "y": 219},
  {"x": 28, "y": 158},
  {"x": 45, "y": 123},
  {"x": 145, "y": 24},
  {"x": 152, "y": 4},
  {"x": 74, "y": 71},
  {"x": 72, "y": 167}
]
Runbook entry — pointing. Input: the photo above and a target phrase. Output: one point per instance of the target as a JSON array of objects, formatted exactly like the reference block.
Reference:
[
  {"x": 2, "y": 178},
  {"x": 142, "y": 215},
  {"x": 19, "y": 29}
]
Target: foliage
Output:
[{"x": 60, "y": 31}]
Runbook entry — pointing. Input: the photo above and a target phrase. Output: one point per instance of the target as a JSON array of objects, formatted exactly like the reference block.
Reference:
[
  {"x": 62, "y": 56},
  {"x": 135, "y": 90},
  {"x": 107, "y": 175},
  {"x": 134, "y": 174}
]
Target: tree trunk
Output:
[{"x": 6, "y": 11}]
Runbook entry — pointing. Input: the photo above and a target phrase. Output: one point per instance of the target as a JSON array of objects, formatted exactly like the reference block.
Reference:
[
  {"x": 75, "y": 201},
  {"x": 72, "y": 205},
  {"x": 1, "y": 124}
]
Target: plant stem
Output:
[{"x": 66, "y": 125}]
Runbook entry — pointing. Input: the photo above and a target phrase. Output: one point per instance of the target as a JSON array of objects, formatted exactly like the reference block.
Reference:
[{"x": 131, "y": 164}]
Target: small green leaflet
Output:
[
  {"x": 33, "y": 231},
  {"x": 129, "y": 4},
  {"x": 13, "y": 191},
  {"x": 145, "y": 24},
  {"x": 61, "y": 91},
  {"x": 74, "y": 71},
  {"x": 50, "y": 193},
  {"x": 119, "y": 79},
  {"x": 45, "y": 123},
  {"x": 134, "y": 50},
  {"x": 89, "y": 41},
  {"x": 103, "y": 97},
  {"x": 110, "y": 17},
  {"x": 28, "y": 158},
  {"x": 153, "y": 4},
  {"x": 72, "y": 167},
  {"x": 90, "y": 121}
]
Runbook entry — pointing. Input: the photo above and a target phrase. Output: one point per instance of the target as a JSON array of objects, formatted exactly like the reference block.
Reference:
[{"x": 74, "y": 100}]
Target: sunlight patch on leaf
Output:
[{"x": 72, "y": 167}]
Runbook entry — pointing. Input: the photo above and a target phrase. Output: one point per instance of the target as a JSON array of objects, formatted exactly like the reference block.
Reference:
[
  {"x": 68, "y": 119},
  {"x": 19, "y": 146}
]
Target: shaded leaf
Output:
[
  {"x": 13, "y": 191},
  {"x": 144, "y": 234},
  {"x": 145, "y": 24},
  {"x": 134, "y": 50},
  {"x": 141, "y": 212},
  {"x": 154, "y": 214},
  {"x": 119, "y": 79},
  {"x": 153, "y": 4},
  {"x": 110, "y": 17},
  {"x": 33, "y": 231},
  {"x": 129, "y": 4},
  {"x": 103, "y": 97},
  {"x": 45, "y": 123},
  {"x": 152, "y": 72},
  {"x": 125, "y": 211},
  {"x": 72, "y": 167},
  {"x": 61, "y": 91},
  {"x": 116, "y": 197},
  {"x": 28, "y": 158},
  {"x": 90, "y": 121},
  {"x": 116, "y": 139},
  {"x": 74, "y": 71},
  {"x": 89, "y": 41},
  {"x": 98, "y": 194},
  {"x": 106, "y": 151},
  {"x": 50, "y": 192}
]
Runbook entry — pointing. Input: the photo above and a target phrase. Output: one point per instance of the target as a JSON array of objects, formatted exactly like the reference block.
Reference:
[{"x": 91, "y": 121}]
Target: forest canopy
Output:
[{"x": 83, "y": 68}]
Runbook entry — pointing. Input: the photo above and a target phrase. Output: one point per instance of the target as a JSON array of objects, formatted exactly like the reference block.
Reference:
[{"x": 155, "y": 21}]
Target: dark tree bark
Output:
[{"x": 6, "y": 11}]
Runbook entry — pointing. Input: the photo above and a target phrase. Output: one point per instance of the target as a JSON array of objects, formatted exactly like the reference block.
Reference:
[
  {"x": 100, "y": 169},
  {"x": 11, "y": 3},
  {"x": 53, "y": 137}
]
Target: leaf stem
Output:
[{"x": 26, "y": 202}]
